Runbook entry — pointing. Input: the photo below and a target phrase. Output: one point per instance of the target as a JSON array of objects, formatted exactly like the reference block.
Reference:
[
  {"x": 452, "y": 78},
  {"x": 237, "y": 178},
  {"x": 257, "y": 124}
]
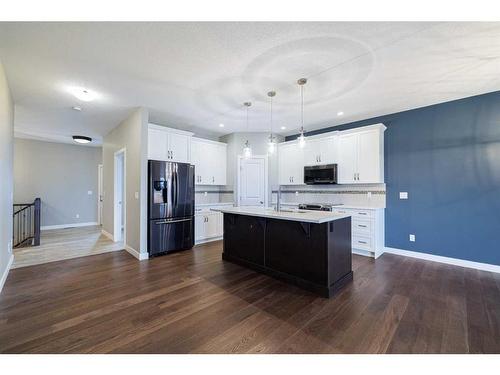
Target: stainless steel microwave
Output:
[{"x": 320, "y": 174}]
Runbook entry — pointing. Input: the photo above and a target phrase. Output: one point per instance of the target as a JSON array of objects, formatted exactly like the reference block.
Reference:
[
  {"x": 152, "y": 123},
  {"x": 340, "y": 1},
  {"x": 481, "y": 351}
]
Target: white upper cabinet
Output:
[
  {"x": 320, "y": 151},
  {"x": 169, "y": 144},
  {"x": 291, "y": 164},
  {"x": 209, "y": 158},
  {"x": 361, "y": 155}
]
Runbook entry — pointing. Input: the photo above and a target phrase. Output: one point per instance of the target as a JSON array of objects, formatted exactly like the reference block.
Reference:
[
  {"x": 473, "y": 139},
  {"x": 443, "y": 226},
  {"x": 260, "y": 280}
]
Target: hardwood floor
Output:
[
  {"x": 193, "y": 302},
  {"x": 67, "y": 243}
]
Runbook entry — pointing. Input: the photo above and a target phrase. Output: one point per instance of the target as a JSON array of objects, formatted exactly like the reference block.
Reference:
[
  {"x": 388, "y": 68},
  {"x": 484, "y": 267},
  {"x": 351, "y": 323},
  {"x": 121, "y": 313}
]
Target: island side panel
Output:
[
  {"x": 244, "y": 238},
  {"x": 297, "y": 249},
  {"x": 339, "y": 253}
]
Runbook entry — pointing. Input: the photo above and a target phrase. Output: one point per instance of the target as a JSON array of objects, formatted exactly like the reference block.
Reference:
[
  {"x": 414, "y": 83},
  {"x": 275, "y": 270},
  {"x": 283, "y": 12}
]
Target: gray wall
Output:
[
  {"x": 60, "y": 175},
  {"x": 6, "y": 180},
  {"x": 258, "y": 142},
  {"x": 130, "y": 134}
]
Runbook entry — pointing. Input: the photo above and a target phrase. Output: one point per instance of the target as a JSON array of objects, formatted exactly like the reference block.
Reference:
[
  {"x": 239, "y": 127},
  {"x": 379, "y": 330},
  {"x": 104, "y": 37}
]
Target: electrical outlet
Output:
[
  {"x": 77, "y": 216},
  {"x": 205, "y": 194},
  {"x": 296, "y": 193},
  {"x": 403, "y": 195},
  {"x": 369, "y": 194},
  {"x": 136, "y": 195},
  {"x": 89, "y": 192},
  {"x": 412, "y": 238}
]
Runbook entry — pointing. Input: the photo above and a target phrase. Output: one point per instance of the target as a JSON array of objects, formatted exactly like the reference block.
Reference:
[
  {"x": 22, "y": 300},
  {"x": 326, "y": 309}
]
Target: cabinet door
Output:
[
  {"x": 157, "y": 144},
  {"x": 298, "y": 166},
  {"x": 328, "y": 150},
  {"x": 369, "y": 157},
  {"x": 198, "y": 158},
  {"x": 199, "y": 227},
  {"x": 284, "y": 164},
  {"x": 212, "y": 225},
  {"x": 219, "y": 170},
  {"x": 348, "y": 155},
  {"x": 180, "y": 147},
  {"x": 312, "y": 152}
]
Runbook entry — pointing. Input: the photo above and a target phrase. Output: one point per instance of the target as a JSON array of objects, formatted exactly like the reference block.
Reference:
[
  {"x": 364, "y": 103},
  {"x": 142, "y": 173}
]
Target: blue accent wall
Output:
[{"x": 447, "y": 157}]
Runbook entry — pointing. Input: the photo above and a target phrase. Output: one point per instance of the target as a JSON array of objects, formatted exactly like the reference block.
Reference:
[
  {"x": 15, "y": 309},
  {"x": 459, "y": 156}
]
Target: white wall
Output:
[
  {"x": 6, "y": 179},
  {"x": 60, "y": 175},
  {"x": 258, "y": 142},
  {"x": 130, "y": 134}
]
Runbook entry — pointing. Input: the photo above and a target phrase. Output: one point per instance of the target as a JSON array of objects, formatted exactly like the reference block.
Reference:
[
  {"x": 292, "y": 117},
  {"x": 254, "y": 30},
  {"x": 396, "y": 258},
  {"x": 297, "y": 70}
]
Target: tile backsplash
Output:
[
  {"x": 212, "y": 194},
  {"x": 369, "y": 195}
]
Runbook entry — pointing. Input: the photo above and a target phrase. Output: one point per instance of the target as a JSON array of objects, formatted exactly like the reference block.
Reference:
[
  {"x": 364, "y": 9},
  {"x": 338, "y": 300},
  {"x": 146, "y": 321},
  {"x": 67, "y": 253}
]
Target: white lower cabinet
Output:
[
  {"x": 367, "y": 230},
  {"x": 207, "y": 226}
]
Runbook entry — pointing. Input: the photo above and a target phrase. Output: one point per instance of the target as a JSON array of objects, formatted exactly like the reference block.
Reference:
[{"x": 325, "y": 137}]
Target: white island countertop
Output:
[{"x": 316, "y": 217}]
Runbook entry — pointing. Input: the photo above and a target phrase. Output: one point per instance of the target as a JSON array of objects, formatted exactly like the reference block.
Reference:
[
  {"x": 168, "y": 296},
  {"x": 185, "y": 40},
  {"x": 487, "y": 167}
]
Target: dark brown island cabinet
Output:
[{"x": 310, "y": 250}]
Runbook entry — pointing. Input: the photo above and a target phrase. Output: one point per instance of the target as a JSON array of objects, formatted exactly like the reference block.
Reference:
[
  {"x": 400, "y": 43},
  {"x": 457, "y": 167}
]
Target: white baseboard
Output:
[
  {"x": 107, "y": 234},
  {"x": 6, "y": 272},
  {"x": 136, "y": 254},
  {"x": 200, "y": 242},
  {"x": 446, "y": 260},
  {"x": 73, "y": 225},
  {"x": 363, "y": 253}
]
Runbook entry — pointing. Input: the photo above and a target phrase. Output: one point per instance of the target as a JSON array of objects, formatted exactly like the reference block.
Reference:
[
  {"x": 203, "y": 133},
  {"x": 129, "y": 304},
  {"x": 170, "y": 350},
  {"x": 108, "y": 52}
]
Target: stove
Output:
[{"x": 318, "y": 206}]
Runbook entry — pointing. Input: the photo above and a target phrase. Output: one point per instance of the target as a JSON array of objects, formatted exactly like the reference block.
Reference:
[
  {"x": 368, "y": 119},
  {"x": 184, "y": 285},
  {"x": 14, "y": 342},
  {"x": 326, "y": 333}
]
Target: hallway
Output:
[{"x": 67, "y": 243}]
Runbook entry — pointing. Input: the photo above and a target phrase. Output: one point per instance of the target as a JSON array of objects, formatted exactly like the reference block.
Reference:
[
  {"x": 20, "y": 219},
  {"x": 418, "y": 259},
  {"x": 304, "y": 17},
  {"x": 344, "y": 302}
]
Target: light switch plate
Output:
[
  {"x": 412, "y": 238},
  {"x": 89, "y": 192},
  {"x": 136, "y": 195},
  {"x": 77, "y": 216},
  {"x": 403, "y": 195}
]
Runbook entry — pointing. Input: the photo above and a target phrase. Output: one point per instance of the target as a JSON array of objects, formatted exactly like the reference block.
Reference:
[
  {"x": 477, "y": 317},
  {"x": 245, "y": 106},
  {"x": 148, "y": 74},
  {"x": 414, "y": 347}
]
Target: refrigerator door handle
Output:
[{"x": 171, "y": 221}]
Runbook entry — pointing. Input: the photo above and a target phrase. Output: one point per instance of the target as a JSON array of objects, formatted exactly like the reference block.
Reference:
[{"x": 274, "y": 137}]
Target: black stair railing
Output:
[{"x": 26, "y": 220}]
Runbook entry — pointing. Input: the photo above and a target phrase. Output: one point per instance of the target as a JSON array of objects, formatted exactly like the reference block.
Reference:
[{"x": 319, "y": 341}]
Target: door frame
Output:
[
  {"x": 266, "y": 177},
  {"x": 116, "y": 229},
  {"x": 99, "y": 193}
]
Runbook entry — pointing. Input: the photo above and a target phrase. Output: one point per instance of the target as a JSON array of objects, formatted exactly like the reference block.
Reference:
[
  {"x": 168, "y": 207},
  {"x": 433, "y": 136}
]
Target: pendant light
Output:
[
  {"x": 247, "y": 150},
  {"x": 271, "y": 145},
  {"x": 302, "y": 139}
]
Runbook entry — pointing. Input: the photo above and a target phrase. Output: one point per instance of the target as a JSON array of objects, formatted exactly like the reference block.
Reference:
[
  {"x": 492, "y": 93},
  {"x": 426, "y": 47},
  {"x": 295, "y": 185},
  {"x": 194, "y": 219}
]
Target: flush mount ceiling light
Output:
[
  {"x": 283, "y": 128},
  {"x": 302, "y": 139},
  {"x": 271, "y": 145},
  {"x": 82, "y": 139},
  {"x": 76, "y": 108},
  {"x": 340, "y": 113},
  {"x": 83, "y": 94},
  {"x": 247, "y": 150},
  {"x": 221, "y": 125}
]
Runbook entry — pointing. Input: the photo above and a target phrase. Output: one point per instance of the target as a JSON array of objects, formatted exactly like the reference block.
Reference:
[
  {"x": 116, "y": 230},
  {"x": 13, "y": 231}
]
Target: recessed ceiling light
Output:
[
  {"x": 82, "y": 139},
  {"x": 76, "y": 108},
  {"x": 340, "y": 113},
  {"x": 83, "y": 94},
  {"x": 221, "y": 125},
  {"x": 283, "y": 127}
]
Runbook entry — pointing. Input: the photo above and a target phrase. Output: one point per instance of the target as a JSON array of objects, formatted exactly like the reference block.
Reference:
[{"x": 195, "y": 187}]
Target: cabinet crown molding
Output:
[
  {"x": 171, "y": 130},
  {"x": 209, "y": 141}
]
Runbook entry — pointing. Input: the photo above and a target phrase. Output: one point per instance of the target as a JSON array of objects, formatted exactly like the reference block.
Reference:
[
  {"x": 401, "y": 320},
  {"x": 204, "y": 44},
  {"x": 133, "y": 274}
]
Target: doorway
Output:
[
  {"x": 252, "y": 181},
  {"x": 120, "y": 217},
  {"x": 99, "y": 194}
]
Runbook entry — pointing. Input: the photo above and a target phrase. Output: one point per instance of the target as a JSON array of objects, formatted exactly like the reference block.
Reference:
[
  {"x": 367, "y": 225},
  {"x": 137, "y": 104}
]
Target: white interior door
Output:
[
  {"x": 99, "y": 194},
  {"x": 119, "y": 197},
  {"x": 252, "y": 181}
]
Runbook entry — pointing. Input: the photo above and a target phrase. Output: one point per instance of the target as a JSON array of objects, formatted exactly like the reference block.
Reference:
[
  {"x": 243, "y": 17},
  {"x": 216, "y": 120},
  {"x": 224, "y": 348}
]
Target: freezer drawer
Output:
[{"x": 170, "y": 235}]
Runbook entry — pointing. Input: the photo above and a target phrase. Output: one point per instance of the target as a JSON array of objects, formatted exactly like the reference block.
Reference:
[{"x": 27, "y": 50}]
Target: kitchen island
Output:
[{"x": 311, "y": 249}]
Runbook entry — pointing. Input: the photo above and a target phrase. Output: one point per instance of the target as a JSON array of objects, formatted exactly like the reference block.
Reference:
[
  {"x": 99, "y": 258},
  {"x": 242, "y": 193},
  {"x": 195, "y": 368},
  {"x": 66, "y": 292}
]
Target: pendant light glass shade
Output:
[
  {"x": 247, "y": 150},
  {"x": 302, "y": 139},
  {"x": 271, "y": 145}
]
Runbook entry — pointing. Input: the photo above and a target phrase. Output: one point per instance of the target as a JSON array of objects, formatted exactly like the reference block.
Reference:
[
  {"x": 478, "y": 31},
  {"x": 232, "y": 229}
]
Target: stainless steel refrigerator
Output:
[{"x": 171, "y": 207}]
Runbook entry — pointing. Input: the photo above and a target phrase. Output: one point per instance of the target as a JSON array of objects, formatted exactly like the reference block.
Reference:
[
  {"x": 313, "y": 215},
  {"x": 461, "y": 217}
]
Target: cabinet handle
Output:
[
  {"x": 213, "y": 179},
  {"x": 362, "y": 226},
  {"x": 362, "y": 213},
  {"x": 363, "y": 242}
]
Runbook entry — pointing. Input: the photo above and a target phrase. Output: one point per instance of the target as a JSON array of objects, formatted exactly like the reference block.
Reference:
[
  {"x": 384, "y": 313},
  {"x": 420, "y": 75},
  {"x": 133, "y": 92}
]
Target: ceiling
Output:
[{"x": 195, "y": 76}]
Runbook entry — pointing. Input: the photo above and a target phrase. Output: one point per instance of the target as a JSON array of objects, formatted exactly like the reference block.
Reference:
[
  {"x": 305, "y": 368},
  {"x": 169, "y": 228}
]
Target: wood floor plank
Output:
[{"x": 193, "y": 302}]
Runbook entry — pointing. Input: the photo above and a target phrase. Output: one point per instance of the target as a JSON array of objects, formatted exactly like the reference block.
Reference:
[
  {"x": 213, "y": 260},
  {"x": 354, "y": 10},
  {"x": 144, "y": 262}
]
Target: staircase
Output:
[{"x": 26, "y": 228}]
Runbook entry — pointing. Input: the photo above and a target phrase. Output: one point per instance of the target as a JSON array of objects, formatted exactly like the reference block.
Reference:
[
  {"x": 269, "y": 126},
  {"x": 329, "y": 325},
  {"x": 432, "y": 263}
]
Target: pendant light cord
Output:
[{"x": 302, "y": 106}]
